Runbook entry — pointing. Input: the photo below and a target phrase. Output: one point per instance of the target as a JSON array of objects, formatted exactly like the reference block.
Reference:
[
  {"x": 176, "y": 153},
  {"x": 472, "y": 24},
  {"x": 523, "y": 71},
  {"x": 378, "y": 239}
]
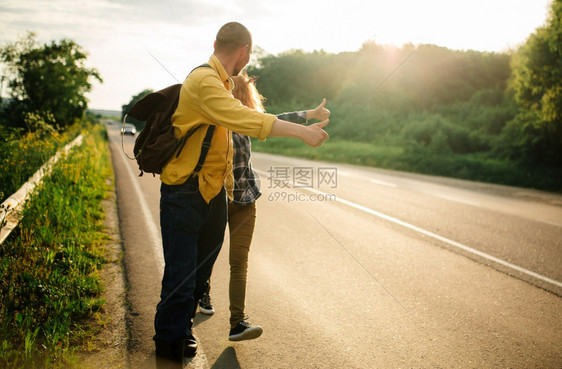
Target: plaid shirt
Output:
[{"x": 246, "y": 183}]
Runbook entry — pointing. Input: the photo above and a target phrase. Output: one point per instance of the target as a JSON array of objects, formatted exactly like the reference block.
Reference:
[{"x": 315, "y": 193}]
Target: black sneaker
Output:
[
  {"x": 190, "y": 347},
  {"x": 244, "y": 331},
  {"x": 205, "y": 305}
]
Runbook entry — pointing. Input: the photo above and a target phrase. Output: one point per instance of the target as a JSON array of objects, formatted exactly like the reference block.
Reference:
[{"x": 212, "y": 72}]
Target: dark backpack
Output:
[{"x": 156, "y": 144}]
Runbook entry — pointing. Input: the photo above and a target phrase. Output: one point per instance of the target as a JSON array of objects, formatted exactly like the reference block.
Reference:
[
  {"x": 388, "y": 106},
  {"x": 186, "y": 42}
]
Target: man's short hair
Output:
[{"x": 232, "y": 36}]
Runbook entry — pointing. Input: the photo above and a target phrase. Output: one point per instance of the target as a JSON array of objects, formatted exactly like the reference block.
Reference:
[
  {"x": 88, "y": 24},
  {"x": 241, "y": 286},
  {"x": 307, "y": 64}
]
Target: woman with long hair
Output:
[{"x": 242, "y": 209}]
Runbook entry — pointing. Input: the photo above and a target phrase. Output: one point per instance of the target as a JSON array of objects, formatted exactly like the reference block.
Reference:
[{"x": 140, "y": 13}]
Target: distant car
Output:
[{"x": 129, "y": 129}]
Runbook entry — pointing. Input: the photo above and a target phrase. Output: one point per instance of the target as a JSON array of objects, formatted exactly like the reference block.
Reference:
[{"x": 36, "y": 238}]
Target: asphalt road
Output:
[{"x": 356, "y": 267}]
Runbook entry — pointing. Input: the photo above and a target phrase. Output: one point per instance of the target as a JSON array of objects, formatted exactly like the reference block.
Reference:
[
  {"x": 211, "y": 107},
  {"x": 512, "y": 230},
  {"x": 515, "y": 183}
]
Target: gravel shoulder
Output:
[{"x": 109, "y": 348}]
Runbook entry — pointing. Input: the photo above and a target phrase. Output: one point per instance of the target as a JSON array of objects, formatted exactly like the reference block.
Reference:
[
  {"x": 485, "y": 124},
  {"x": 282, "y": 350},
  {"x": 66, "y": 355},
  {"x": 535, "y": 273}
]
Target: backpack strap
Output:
[
  {"x": 183, "y": 140},
  {"x": 205, "y": 65},
  {"x": 204, "y": 148},
  {"x": 206, "y": 141}
]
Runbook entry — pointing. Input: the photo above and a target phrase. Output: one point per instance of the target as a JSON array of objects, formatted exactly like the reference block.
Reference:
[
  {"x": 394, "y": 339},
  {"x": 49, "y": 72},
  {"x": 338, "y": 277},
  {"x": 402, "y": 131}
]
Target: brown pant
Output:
[{"x": 241, "y": 222}]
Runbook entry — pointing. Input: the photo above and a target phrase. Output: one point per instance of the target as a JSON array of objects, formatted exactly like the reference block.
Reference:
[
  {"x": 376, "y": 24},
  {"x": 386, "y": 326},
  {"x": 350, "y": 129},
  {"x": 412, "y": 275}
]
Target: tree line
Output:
[
  {"x": 436, "y": 92},
  {"x": 478, "y": 115},
  {"x": 440, "y": 101}
]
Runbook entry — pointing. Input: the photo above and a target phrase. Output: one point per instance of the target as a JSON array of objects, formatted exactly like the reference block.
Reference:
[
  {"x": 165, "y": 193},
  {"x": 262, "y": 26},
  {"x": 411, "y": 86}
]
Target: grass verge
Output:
[
  {"x": 50, "y": 286},
  {"x": 22, "y": 154}
]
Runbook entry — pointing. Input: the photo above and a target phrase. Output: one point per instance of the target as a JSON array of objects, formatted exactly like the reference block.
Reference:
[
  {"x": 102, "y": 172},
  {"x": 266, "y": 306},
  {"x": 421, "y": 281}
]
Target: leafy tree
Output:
[
  {"x": 125, "y": 108},
  {"x": 49, "y": 80},
  {"x": 536, "y": 84}
]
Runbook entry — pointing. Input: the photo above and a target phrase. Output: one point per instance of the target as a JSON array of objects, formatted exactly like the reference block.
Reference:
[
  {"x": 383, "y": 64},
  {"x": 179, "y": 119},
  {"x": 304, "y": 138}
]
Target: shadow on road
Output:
[
  {"x": 200, "y": 318},
  {"x": 227, "y": 360}
]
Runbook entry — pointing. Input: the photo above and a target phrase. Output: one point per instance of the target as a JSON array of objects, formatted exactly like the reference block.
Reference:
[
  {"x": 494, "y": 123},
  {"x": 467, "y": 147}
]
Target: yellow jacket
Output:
[{"x": 206, "y": 99}]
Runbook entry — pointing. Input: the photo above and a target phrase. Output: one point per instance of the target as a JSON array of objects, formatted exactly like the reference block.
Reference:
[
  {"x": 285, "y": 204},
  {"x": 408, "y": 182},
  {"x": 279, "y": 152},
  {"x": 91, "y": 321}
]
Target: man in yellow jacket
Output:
[{"x": 193, "y": 206}]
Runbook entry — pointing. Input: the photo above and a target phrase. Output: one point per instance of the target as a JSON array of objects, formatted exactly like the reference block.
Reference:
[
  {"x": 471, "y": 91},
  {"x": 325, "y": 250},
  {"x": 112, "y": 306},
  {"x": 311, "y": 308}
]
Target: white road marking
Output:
[
  {"x": 456, "y": 199},
  {"x": 436, "y": 236},
  {"x": 442, "y": 196},
  {"x": 556, "y": 224},
  {"x": 383, "y": 183},
  {"x": 375, "y": 181},
  {"x": 154, "y": 236},
  {"x": 444, "y": 239}
]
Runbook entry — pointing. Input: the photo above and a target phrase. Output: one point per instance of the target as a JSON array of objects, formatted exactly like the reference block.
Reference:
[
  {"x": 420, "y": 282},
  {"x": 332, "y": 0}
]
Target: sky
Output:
[{"x": 140, "y": 44}]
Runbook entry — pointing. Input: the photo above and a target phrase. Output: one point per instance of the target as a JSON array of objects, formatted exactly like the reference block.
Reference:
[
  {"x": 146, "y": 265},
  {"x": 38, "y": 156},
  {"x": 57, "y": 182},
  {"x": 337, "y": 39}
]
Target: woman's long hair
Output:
[{"x": 245, "y": 90}]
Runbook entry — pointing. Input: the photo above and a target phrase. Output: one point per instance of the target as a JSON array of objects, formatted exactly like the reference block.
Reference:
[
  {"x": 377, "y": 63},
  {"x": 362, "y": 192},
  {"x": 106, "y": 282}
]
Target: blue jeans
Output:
[{"x": 192, "y": 236}]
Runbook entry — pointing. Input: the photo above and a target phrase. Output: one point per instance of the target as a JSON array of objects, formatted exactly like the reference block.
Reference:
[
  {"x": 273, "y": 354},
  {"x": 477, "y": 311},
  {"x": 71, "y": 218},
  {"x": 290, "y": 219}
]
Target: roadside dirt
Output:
[{"x": 108, "y": 350}]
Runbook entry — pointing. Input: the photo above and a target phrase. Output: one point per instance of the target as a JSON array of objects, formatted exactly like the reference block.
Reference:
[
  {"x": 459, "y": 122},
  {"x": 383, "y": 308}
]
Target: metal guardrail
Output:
[{"x": 11, "y": 209}]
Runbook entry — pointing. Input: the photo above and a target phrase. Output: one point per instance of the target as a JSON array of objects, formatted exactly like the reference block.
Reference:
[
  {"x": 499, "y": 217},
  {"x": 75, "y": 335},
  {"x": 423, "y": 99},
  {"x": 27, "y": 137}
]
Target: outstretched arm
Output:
[
  {"x": 313, "y": 135},
  {"x": 320, "y": 112}
]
